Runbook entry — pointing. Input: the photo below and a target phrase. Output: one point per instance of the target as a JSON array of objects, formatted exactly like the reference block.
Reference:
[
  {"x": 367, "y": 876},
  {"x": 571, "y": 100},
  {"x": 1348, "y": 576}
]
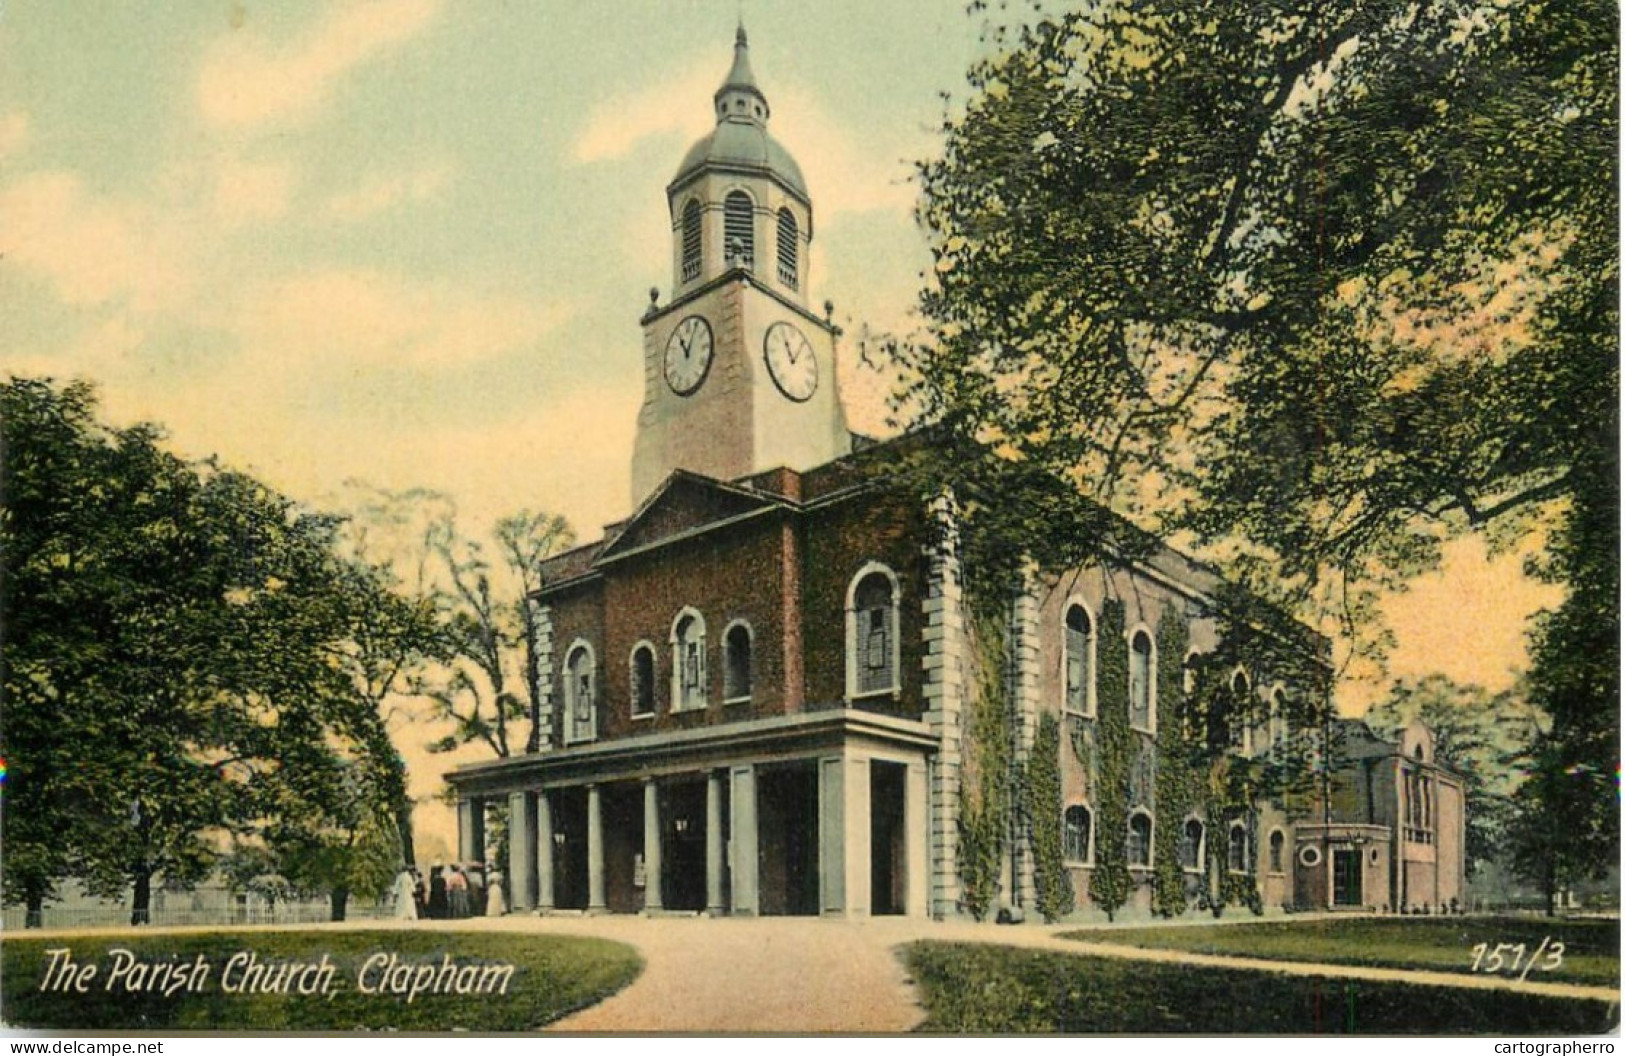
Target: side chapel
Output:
[{"x": 758, "y": 685}]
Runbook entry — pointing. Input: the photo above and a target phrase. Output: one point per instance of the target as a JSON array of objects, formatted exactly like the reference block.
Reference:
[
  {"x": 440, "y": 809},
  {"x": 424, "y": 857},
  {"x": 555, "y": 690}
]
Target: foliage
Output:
[
  {"x": 1041, "y": 788},
  {"x": 1441, "y": 944},
  {"x": 1336, "y": 284},
  {"x": 1111, "y": 884},
  {"x": 1477, "y": 734},
  {"x": 1180, "y": 784},
  {"x": 979, "y": 988},
  {"x": 176, "y": 632},
  {"x": 1567, "y": 825},
  {"x": 492, "y": 628},
  {"x": 1186, "y": 214},
  {"x": 553, "y": 976},
  {"x": 984, "y": 790}
]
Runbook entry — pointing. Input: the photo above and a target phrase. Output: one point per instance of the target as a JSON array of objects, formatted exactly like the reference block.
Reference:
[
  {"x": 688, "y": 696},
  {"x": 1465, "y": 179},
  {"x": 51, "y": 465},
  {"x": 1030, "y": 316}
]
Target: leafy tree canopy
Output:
[{"x": 1337, "y": 281}]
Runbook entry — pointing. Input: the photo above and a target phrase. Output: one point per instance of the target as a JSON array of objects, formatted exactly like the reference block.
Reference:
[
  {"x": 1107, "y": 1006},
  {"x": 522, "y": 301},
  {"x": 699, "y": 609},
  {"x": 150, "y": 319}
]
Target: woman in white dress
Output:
[
  {"x": 406, "y": 896},
  {"x": 495, "y": 904}
]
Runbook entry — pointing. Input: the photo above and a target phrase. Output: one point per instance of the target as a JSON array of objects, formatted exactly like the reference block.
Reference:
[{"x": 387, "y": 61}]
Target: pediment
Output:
[{"x": 684, "y": 504}]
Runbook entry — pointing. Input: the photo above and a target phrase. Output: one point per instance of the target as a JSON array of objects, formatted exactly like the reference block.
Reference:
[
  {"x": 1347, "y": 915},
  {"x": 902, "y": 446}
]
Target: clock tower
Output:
[{"x": 739, "y": 375}]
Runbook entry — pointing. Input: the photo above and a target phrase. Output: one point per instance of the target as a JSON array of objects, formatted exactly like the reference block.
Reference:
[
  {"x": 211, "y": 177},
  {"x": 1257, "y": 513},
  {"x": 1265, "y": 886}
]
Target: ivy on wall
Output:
[
  {"x": 984, "y": 789},
  {"x": 1042, "y": 791},
  {"x": 1179, "y": 776},
  {"x": 1111, "y": 884}
]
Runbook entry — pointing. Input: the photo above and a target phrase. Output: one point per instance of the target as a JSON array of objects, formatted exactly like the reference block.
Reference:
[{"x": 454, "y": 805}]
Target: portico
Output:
[{"x": 814, "y": 814}]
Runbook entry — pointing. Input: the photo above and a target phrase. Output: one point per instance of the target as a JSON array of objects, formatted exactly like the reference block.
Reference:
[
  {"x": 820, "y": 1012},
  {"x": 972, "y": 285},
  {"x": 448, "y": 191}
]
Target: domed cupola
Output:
[{"x": 739, "y": 200}]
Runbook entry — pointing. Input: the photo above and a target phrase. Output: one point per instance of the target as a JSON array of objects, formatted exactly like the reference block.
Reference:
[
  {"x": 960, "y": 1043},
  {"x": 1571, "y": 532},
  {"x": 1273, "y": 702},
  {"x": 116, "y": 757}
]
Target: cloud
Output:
[
  {"x": 368, "y": 318},
  {"x": 383, "y": 193},
  {"x": 247, "y": 82},
  {"x": 250, "y": 191},
  {"x": 844, "y": 176},
  {"x": 678, "y": 108},
  {"x": 93, "y": 249}
]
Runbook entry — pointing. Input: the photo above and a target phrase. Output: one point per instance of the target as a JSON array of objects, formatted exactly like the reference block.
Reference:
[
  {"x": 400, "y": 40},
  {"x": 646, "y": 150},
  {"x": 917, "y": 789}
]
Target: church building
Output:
[{"x": 760, "y": 686}]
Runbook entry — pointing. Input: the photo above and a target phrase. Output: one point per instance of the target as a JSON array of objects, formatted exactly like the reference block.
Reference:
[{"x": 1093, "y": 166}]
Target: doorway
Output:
[
  {"x": 888, "y": 878},
  {"x": 1346, "y": 878},
  {"x": 787, "y": 811}
]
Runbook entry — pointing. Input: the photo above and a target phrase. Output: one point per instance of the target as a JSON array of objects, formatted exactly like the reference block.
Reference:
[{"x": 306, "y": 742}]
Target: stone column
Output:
[
  {"x": 595, "y": 851},
  {"x": 651, "y": 846},
  {"x": 713, "y": 843},
  {"x": 521, "y": 854},
  {"x": 744, "y": 865},
  {"x": 466, "y": 810},
  {"x": 843, "y": 836},
  {"x": 544, "y": 851},
  {"x": 944, "y": 691},
  {"x": 916, "y": 788}
]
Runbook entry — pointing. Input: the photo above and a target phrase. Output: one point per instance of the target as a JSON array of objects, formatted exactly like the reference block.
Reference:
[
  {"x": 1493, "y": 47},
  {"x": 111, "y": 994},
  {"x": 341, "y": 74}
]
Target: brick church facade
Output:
[{"x": 758, "y": 685}]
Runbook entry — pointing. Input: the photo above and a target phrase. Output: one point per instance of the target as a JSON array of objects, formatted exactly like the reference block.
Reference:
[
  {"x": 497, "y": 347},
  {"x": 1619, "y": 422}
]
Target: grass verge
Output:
[
  {"x": 971, "y": 988},
  {"x": 1589, "y": 954},
  {"x": 161, "y": 986}
]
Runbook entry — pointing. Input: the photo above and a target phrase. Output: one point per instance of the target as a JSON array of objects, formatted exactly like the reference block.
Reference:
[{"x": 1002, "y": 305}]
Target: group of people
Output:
[{"x": 450, "y": 892}]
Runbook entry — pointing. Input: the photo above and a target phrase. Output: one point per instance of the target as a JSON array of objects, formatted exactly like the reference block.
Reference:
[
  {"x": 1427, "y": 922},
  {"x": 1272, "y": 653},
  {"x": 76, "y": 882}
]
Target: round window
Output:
[
  {"x": 1309, "y": 856},
  {"x": 1375, "y": 857}
]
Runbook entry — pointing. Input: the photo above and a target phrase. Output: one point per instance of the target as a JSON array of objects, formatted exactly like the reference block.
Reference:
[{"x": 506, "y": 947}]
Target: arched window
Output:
[
  {"x": 1278, "y": 730},
  {"x": 1080, "y": 661},
  {"x": 736, "y": 663},
  {"x": 692, "y": 241},
  {"x": 1240, "y": 849},
  {"x": 1077, "y": 834},
  {"x": 643, "y": 680},
  {"x": 1239, "y": 713},
  {"x": 1277, "y": 851},
  {"x": 1138, "y": 848},
  {"x": 1190, "y": 846},
  {"x": 739, "y": 230},
  {"x": 688, "y": 661},
  {"x": 580, "y": 698},
  {"x": 1142, "y": 674},
  {"x": 789, "y": 249},
  {"x": 871, "y": 632}
]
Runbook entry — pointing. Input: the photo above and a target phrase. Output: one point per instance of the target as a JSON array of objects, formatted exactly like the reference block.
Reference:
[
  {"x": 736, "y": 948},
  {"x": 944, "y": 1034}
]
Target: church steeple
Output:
[
  {"x": 739, "y": 98},
  {"x": 739, "y": 374},
  {"x": 739, "y": 200}
]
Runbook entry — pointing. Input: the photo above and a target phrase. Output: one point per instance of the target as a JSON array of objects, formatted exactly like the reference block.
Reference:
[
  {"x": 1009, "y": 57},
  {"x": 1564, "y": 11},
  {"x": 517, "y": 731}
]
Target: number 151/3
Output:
[{"x": 1515, "y": 958}]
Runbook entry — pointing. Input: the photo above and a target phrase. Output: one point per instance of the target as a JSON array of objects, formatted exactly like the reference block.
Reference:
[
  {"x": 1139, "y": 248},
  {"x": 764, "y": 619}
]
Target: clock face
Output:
[
  {"x": 791, "y": 361},
  {"x": 688, "y": 355}
]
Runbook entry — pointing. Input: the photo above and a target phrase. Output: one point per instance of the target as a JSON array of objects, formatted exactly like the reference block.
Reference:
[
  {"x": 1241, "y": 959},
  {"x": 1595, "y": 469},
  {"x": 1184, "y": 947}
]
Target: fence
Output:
[{"x": 114, "y": 914}]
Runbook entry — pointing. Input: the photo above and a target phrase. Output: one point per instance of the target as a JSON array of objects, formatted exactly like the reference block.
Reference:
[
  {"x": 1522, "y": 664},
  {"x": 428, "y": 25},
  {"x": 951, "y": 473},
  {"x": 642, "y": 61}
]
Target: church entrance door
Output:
[
  {"x": 787, "y": 833},
  {"x": 888, "y": 878}
]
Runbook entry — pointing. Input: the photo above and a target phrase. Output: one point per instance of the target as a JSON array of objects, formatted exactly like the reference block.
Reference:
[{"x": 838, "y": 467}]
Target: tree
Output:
[
  {"x": 1478, "y": 734},
  {"x": 487, "y": 622},
  {"x": 177, "y": 633},
  {"x": 1320, "y": 285}
]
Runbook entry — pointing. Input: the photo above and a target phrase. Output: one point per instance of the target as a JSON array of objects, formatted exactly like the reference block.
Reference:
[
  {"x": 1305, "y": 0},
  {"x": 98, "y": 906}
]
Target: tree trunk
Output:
[
  {"x": 1551, "y": 890},
  {"x": 340, "y": 900},
  {"x": 35, "y": 916},
  {"x": 403, "y": 822},
  {"x": 141, "y": 904}
]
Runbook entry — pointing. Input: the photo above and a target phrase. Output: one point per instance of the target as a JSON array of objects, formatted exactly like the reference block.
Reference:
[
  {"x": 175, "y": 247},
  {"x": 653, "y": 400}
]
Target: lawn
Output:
[
  {"x": 970, "y": 988},
  {"x": 355, "y": 980},
  {"x": 1590, "y": 953}
]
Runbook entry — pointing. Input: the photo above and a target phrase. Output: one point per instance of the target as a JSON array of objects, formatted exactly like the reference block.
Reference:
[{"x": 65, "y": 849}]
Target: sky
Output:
[{"x": 408, "y": 241}]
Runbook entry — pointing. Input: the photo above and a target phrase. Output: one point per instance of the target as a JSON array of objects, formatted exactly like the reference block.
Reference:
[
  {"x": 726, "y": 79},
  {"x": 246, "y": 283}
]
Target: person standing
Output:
[
  {"x": 457, "y": 892},
  {"x": 495, "y": 903},
  {"x": 437, "y": 892},
  {"x": 406, "y": 895}
]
